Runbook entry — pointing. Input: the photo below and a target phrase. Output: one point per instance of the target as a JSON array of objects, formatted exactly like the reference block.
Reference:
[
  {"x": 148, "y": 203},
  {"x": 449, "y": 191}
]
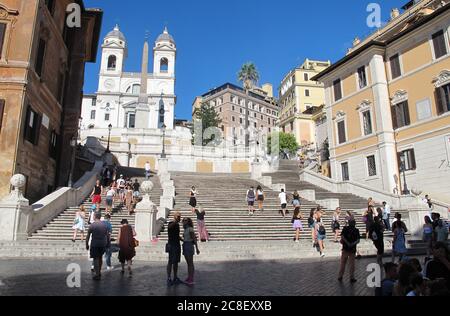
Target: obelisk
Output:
[{"x": 143, "y": 109}]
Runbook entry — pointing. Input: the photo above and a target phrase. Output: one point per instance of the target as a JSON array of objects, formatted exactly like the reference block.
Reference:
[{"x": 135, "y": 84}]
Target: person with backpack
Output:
[
  {"x": 250, "y": 197},
  {"x": 321, "y": 233},
  {"x": 376, "y": 233},
  {"x": 283, "y": 201},
  {"x": 350, "y": 237}
]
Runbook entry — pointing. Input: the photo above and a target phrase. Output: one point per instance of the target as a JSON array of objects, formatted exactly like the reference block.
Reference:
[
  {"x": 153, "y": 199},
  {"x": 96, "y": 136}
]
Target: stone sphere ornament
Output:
[
  {"x": 18, "y": 181},
  {"x": 146, "y": 187}
]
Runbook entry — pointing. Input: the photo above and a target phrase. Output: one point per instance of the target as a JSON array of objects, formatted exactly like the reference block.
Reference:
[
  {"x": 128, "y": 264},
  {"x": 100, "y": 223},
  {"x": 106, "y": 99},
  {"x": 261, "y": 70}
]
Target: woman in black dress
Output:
[{"x": 193, "y": 199}]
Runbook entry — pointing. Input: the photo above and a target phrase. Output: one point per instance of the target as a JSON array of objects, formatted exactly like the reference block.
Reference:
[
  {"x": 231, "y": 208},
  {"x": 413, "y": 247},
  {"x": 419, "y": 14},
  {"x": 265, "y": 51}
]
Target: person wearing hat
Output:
[
  {"x": 350, "y": 237},
  {"x": 173, "y": 249},
  {"x": 127, "y": 245}
]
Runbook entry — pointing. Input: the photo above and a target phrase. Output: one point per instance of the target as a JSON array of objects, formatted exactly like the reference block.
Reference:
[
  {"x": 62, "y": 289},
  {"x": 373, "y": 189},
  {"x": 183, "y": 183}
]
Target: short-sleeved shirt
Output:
[
  {"x": 174, "y": 233},
  {"x": 282, "y": 197},
  {"x": 121, "y": 183},
  {"x": 99, "y": 234},
  {"x": 351, "y": 234},
  {"x": 110, "y": 193}
]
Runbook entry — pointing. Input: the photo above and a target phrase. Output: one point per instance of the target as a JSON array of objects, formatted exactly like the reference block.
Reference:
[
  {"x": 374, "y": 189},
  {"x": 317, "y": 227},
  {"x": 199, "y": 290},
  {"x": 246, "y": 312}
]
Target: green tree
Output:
[
  {"x": 249, "y": 76},
  {"x": 209, "y": 119},
  {"x": 286, "y": 142}
]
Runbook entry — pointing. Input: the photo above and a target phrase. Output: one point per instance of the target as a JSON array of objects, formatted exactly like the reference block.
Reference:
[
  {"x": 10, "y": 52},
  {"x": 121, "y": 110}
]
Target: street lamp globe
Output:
[{"x": 110, "y": 127}]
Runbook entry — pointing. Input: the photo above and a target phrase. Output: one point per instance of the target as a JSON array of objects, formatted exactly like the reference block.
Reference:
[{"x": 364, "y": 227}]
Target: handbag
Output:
[
  {"x": 167, "y": 248},
  {"x": 136, "y": 242}
]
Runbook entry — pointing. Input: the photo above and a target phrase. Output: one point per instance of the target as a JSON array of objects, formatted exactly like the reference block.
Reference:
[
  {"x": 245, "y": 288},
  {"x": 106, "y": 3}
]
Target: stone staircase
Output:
[
  {"x": 288, "y": 174},
  {"x": 223, "y": 197},
  {"x": 60, "y": 228}
]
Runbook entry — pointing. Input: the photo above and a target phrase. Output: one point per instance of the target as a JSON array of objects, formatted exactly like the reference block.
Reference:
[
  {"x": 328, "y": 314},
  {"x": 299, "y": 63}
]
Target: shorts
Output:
[
  {"x": 283, "y": 206},
  {"x": 121, "y": 190},
  {"x": 261, "y": 198},
  {"x": 97, "y": 252},
  {"x": 96, "y": 199},
  {"x": 174, "y": 251},
  {"x": 193, "y": 202},
  {"x": 321, "y": 237},
  {"x": 109, "y": 201},
  {"x": 188, "y": 248},
  {"x": 251, "y": 203},
  {"x": 296, "y": 203},
  {"x": 136, "y": 194},
  {"x": 298, "y": 224}
]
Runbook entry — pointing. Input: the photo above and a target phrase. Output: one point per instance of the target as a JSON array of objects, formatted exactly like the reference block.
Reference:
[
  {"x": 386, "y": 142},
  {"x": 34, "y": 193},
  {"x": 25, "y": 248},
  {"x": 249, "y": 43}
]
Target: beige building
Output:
[
  {"x": 229, "y": 102},
  {"x": 42, "y": 64},
  {"x": 297, "y": 94},
  {"x": 388, "y": 104}
]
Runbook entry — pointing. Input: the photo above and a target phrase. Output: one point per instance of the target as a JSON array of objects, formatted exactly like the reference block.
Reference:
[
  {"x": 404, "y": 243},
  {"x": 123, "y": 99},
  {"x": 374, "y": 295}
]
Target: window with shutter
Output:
[
  {"x": 440, "y": 48},
  {"x": 400, "y": 115},
  {"x": 337, "y": 90},
  {"x": 32, "y": 126},
  {"x": 442, "y": 95},
  {"x": 395, "y": 66},
  {"x": 341, "y": 132},
  {"x": 2, "y": 36},
  {"x": 40, "y": 58},
  {"x": 345, "y": 172}
]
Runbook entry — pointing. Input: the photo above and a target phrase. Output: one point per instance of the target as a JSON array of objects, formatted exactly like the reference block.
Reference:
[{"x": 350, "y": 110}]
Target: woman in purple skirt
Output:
[{"x": 297, "y": 224}]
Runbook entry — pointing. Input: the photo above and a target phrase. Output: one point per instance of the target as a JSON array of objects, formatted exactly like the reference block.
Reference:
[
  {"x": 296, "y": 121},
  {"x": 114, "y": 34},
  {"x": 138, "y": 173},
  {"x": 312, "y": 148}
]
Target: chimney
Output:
[{"x": 395, "y": 13}]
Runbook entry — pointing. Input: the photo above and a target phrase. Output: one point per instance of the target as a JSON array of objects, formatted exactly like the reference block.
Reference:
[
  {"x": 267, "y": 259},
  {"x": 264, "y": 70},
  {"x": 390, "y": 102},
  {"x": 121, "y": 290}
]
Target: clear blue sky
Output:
[{"x": 214, "y": 38}]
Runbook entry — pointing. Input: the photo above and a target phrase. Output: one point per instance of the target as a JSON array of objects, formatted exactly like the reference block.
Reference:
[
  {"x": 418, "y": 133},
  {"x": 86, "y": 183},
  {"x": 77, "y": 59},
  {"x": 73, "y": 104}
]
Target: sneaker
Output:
[
  {"x": 109, "y": 268},
  {"x": 353, "y": 280},
  {"x": 190, "y": 282},
  {"x": 92, "y": 269},
  {"x": 169, "y": 282},
  {"x": 176, "y": 281},
  {"x": 297, "y": 241},
  {"x": 322, "y": 255}
]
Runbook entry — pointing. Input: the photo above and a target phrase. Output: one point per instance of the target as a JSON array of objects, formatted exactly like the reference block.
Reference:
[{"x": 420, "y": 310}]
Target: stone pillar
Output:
[
  {"x": 15, "y": 212},
  {"x": 146, "y": 212},
  {"x": 163, "y": 166},
  {"x": 256, "y": 170},
  {"x": 385, "y": 130}
]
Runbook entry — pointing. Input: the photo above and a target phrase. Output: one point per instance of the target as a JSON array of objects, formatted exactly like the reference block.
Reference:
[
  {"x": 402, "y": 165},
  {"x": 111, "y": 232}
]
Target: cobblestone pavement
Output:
[{"x": 249, "y": 278}]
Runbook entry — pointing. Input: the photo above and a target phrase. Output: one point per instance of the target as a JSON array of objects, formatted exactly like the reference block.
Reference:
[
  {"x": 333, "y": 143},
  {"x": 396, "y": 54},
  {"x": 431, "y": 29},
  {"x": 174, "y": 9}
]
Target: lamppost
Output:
[
  {"x": 163, "y": 154},
  {"x": 403, "y": 169},
  {"x": 109, "y": 138},
  {"x": 73, "y": 145}
]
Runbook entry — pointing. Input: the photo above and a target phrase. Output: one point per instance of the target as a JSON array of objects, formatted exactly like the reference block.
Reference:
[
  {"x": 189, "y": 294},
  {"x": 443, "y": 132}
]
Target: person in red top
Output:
[{"x": 96, "y": 195}]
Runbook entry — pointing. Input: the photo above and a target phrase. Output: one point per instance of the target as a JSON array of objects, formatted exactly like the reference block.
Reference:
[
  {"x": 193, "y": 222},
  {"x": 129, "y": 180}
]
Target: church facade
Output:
[{"x": 127, "y": 100}]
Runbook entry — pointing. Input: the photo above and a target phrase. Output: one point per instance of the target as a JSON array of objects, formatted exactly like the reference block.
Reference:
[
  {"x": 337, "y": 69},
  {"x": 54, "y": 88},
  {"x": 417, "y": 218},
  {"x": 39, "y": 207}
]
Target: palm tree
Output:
[{"x": 249, "y": 77}]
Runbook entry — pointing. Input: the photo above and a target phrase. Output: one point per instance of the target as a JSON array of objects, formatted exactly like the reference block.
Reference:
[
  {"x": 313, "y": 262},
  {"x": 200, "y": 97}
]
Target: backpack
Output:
[
  {"x": 251, "y": 195},
  {"x": 322, "y": 230},
  {"x": 374, "y": 236}
]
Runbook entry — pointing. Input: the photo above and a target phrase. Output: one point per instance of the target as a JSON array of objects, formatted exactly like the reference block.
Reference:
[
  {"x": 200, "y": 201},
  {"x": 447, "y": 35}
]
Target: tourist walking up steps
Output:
[
  {"x": 189, "y": 242},
  {"x": 96, "y": 195},
  {"x": 296, "y": 199},
  {"x": 336, "y": 225},
  {"x": 127, "y": 246},
  {"x": 193, "y": 198},
  {"x": 261, "y": 197},
  {"x": 350, "y": 238},
  {"x": 321, "y": 233},
  {"x": 173, "y": 249},
  {"x": 297, "y": 224},
  {"x": 283, "y": 202},
  {"x": 129, "y": 199},
  {"x": 201, "y": 226},
  {"x": 121, "y": 188},
  {"x": 399, "y": 242},
  {"x": 78, "y": 223},
  {"x": 250, "y": 198},
  {"x": 136, "y": 193},
  {"x": 98, "y": 232},
  {"x": 147, "y": 170},
  {"x": 376, "y": 233}
]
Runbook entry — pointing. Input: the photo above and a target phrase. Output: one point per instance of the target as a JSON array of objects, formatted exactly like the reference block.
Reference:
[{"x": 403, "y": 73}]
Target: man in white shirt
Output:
[
  {"x": 147, "y": 170},
  {"x": 386, "y": 215},
  {"x": 283, "y": 201},
  {"x": 121, "y": 188}
]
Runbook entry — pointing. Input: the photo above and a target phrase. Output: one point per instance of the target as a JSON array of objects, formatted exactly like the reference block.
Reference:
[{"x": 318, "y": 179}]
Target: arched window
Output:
[
  {"x": 164, "y": 65},
  {"x": 134, "y": 89},
  {"x": 112, "y": 62}
]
